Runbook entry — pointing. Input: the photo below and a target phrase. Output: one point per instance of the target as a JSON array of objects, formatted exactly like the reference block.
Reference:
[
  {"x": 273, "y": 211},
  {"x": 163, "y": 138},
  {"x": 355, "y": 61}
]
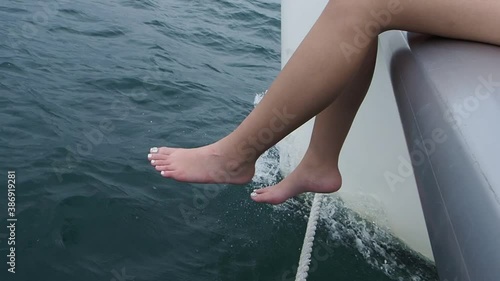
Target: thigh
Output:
[{"x": 476, "y": 20}]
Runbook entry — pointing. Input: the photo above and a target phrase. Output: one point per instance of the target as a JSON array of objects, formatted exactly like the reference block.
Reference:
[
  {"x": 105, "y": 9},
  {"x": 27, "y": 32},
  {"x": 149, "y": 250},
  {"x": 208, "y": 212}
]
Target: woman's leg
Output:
[
  {"x": 316, "y": 75},
  {"x": 318, "y": 171}
]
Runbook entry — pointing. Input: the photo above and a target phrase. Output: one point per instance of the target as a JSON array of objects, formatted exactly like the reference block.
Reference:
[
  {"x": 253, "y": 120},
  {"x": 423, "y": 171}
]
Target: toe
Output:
[
  {"x": 167, "y": 174},
  {"x": 159, "y": 153},
  {"x": 162, "y": 168},
  {"x": 156, "y": 156},
  {"x": 268, "y": 196},
  {"x": 261, "y": 190},
  {"x": 160, "y": 162}
]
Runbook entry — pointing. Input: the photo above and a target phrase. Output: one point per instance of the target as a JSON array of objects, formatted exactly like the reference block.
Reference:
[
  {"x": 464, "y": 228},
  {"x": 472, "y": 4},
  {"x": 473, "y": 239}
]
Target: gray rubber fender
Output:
[{"x": 448, "y": 95}]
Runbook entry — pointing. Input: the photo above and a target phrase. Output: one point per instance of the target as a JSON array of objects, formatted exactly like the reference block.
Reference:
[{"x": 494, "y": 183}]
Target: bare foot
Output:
[
  {"x": 307, "y": 177},
  {"x": 207, "y": 164}
]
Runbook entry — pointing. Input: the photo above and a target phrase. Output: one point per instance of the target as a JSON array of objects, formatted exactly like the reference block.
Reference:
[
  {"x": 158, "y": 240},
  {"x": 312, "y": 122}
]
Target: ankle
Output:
[
  {"x": 238, "y": 152},
  {"x": 313, "y": 160}
]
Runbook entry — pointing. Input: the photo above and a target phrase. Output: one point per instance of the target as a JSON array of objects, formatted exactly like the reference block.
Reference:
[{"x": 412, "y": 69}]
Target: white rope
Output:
[{"x": 305, "y": 254}]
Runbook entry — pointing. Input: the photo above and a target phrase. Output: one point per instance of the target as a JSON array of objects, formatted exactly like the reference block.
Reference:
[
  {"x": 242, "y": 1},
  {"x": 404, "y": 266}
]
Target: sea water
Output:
[{"x": 87, "y": 87}]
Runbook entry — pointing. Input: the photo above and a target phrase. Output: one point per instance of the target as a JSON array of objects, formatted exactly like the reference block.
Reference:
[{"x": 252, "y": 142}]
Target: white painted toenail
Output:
[
  {"x": 162, "y": 173},
  {"x": 153, "y": 162},
  {"x": 253, "y": 194},
  {"x": 154, "y": 150},
  {"x": 150, "y": 155}
]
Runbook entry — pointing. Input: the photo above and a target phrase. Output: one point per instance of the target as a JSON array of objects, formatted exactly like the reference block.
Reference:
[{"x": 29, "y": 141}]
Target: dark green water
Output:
[{"x": 87, "y": 87}]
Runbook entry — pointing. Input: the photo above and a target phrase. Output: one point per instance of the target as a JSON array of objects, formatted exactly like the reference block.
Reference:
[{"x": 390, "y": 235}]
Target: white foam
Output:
[
  {"x": 379, "y": 248},
  {"x": 376, "y": 244},
  {"x": 267, "y": 167}
]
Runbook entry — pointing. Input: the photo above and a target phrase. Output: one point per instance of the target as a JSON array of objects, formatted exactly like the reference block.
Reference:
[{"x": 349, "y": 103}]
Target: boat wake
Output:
[{"x": 346, "y": 228}]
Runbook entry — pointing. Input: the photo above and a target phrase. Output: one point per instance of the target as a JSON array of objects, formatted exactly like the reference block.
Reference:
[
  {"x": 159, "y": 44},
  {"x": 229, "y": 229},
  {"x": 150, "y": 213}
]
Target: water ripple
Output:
[
  {"x": 87, "y": 91},
  {"x": 10, "y": 67},
  {"x": 78, "y": 15},
  {"x": 13, "y": 10},
  {"x": 111, "y": 32},
  {"x": 140, "y": 4}
]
